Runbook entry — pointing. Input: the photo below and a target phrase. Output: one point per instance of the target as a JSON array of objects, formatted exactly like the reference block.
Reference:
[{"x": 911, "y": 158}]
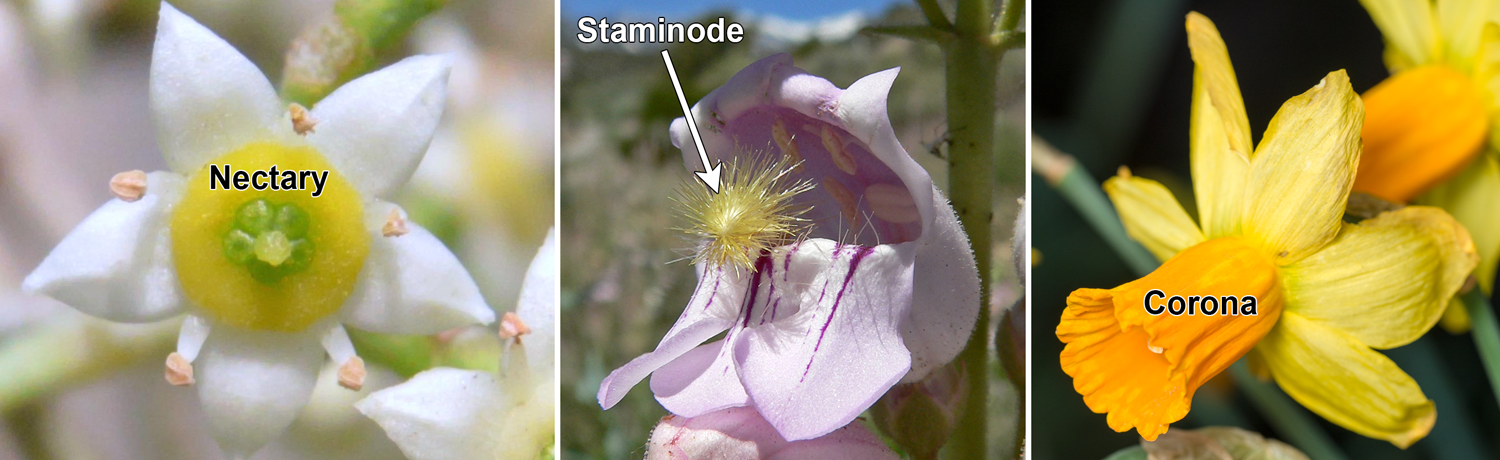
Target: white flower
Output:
[
  {"x": 267, "y": 278},
  {"x": 465, "y": 415}
]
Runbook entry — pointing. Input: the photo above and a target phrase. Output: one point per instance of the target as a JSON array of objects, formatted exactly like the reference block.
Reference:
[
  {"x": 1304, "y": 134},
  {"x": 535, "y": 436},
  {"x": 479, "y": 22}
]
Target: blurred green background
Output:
[
  {"x": 624, "y": 284},
  {"x": 1113, "y": 83}
]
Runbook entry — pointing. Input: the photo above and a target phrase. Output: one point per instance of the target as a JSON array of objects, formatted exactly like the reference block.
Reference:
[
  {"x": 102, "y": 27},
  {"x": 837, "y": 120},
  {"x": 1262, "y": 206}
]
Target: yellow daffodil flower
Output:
[
  {"x": 1328, "y": 293},
  {"x": 1431, "y": 117},
  {"x": 1427, "y": 126}
]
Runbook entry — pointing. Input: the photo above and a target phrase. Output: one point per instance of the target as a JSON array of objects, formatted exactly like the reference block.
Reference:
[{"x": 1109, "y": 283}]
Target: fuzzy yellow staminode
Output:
[{"x": 752, "y": 212}]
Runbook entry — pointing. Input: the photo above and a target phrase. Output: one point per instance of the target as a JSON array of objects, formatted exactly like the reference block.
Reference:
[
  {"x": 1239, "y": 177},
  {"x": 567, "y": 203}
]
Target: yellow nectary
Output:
[
  {"x": 228, "y": 290},
  {"x": 1421, "y": 127}
]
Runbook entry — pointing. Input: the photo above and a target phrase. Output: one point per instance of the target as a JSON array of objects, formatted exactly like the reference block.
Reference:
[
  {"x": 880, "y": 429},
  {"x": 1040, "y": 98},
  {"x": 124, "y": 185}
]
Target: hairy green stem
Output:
[
  {"x": 1010, "y": 16},
  {"x": 1486, "y": 335},
  {"x": 972, "y": 65},
  {"x": 346, "y": 45}
]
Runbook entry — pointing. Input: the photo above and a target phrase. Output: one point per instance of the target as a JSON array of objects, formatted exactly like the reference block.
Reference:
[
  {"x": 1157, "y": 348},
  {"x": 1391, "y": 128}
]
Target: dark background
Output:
[{"x": 1112, "y": 83}]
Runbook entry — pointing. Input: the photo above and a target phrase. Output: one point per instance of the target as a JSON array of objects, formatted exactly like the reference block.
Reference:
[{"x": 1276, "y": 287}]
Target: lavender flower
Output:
[{"x": 878, "y": 287}]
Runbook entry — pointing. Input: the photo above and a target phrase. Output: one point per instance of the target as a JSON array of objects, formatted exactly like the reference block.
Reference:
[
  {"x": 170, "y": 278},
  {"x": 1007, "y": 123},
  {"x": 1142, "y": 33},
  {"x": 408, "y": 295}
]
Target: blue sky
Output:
[{"x": 674, "y": 9}]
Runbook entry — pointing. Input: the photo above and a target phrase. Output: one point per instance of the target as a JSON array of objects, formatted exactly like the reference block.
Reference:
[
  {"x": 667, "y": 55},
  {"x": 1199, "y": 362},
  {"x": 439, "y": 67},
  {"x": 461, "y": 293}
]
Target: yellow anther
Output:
[
  {"x": 835, "y": 145},
  {"x": 848, "y": 206},
  {"x": 892, "y": 203},
  {"x": 786, "y": 142}
]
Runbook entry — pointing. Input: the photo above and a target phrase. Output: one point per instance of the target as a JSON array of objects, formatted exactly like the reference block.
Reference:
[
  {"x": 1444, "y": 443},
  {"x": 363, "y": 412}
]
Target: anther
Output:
[
  {"x": 179, "y": 370},
  {"x": 129, "y": 185},
  {"x": 835, "y": 146},
  {"x": 785, "y": 142},
  {"x": 1124, "y": 171},
  {"x": 512, "y": 328},
  {"x": 352, "y": 374},
  {"x": 395, "y": 225},
  {"x": 302, "y": 121}
]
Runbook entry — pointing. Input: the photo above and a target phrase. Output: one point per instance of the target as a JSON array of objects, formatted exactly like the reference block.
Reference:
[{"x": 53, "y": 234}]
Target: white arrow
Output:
[{"x": 710, "y": 177}]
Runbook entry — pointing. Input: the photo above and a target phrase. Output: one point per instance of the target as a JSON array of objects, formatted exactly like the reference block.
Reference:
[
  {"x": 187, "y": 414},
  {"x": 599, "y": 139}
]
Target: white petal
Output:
[
  {"x": 412, "y": 284},
  {"x": 441, "y": 414},
  {"x": 206, "y": 97},
  {"x": 945, "y": 294},
  {"x": 376, "y": 128},
  {"x": 538, "y": 305},
  {"x": 117, "y": 264},
  {"x": 252, "y": 384}
]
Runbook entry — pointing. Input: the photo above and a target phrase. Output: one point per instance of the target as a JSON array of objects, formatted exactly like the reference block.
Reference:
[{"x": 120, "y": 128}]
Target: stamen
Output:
[
  {"x": 302, "y": 121},
  {"x": 395, "y": 225},
  {"x": 128, "y": 186},
  {"x": 785, "y": 141},
  {"x": 1124, "y": 171},
  {"x": 835, "y": 146},
  {"x": 512, "y": 328},
  {"x": 179, "y": 370},
  {"x": 892, "y": 203},
  {"x": 352, "y": 373},
  {"x": 848, "y": 204}
]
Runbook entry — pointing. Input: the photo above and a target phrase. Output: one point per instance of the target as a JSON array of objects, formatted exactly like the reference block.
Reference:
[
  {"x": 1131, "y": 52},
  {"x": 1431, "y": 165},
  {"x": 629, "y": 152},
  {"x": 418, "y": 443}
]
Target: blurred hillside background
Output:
[
  {"x": 625, "y": 284},
  {"x": 1113, "y": 86},
  {"x": 73, "y": 112}
]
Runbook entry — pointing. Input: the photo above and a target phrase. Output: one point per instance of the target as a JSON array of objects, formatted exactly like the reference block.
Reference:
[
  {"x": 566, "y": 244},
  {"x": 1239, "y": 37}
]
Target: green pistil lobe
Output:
[
  {"x": 269, "y": 240},
  {"x": 273, "y": 248}
]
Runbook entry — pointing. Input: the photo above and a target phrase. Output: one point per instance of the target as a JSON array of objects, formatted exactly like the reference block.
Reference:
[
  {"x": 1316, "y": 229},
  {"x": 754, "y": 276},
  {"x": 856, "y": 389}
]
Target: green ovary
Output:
[{"x": 269, "y": 240}]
